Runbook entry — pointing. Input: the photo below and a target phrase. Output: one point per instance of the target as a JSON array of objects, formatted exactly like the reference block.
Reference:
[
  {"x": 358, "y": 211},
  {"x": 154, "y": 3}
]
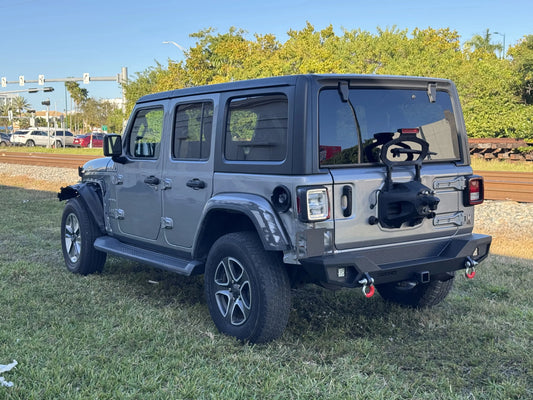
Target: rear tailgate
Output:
[
  {"x": 393, "y": 149},
  {"x": 359, "y": 189}
]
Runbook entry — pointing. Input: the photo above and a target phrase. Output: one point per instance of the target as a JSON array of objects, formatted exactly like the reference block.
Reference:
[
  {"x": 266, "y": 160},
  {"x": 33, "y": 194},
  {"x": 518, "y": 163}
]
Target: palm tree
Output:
[
  {"x": 483, "y": 43},
  {"x": 20, "y": 104},
  {"x": 5, "y": 106}
]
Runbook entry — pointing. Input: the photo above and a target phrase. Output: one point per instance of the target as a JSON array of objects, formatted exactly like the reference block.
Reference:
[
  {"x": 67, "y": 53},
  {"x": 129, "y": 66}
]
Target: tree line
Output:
[{"x": 496, "y": 90}]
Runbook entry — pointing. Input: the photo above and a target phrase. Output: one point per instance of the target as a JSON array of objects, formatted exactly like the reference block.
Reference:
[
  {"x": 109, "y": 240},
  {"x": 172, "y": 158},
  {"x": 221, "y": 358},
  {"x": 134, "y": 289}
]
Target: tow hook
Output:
[
  {"x": 470, "y": 268},
  {"x": 368, "y": 286}
]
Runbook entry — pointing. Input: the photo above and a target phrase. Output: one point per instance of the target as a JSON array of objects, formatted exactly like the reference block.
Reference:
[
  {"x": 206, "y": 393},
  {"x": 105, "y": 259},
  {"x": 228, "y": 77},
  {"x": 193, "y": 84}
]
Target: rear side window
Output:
[
  {"x": 256, "y": 128},
  {"x": 192, "y": 131},
  {"x": 355, "y": 136},
  {"x": 145, "y": 137}
]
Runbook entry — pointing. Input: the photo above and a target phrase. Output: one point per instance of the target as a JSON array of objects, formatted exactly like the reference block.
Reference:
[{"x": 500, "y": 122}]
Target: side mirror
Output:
[{"x": 113, "y": 148}]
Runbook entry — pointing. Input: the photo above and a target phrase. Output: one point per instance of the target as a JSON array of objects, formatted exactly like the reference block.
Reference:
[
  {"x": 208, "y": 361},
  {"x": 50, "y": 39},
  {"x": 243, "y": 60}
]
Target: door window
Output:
[
  {"x": 145, "y": 137},
  {"x": 192, "y": 131}
]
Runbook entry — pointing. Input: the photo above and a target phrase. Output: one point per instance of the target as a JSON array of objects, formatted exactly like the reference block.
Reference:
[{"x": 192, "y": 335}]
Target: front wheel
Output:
[
  {"x": 78, "y": 233},
  {"x": 418, "y": 295},
  {"x": 30, "y": 143},
  {"x": 247, "y": 288}
]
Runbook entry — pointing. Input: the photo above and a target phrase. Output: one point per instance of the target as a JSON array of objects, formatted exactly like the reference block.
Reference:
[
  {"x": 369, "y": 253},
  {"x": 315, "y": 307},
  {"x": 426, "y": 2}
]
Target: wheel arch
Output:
[
  {"x": 91, "y": 195},
  {"x": 228, "y": 213}
]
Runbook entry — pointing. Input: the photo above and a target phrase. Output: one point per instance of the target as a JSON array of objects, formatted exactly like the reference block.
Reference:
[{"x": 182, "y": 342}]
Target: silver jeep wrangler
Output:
[{"x": 262, "y": 185}]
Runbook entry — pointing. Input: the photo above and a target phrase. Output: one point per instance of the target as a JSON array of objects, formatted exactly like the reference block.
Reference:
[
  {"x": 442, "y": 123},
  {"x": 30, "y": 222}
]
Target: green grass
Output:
[
  {"x": 68, "y": 150},
  {"x": 479, "y": 164},
  {"x": 116, "y": 335}
]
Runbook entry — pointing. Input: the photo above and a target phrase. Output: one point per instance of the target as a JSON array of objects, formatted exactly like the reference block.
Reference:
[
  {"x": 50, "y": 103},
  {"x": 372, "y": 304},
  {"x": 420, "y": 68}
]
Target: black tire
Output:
[
  {"x": 78, "y": 233},
  {"x": 30, "y": 143},
  {"x": 417, "y": 295},
  {"x": 58, "y": 144},
  {"x": 247, "y": 288}
]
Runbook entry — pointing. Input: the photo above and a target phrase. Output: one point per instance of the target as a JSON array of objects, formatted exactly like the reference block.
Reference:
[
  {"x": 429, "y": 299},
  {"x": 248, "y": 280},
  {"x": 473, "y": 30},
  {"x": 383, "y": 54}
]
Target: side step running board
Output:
[{"x": 167, "y": 262}]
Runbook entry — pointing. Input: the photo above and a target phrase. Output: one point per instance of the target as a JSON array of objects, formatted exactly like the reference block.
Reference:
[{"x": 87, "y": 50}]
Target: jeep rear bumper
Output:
[{"x": 430, "y": 259}]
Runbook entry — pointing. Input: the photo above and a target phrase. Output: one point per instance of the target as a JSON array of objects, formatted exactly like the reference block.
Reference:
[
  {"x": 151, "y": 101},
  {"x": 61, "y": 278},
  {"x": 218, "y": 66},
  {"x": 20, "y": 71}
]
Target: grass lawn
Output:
[
  {"x": 137, "y": 333},
  {"x": 97, "y": 152},
  {"x": 479, "y": 164}
]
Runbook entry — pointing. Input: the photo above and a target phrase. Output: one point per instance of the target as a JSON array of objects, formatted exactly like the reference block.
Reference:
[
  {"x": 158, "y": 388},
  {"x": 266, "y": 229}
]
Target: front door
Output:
[{"x": 138, "y": 181}]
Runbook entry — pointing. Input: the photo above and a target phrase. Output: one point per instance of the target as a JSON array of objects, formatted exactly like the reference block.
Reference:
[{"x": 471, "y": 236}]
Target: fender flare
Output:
[
  {"x": 91, "y": 197},
  {"x": 258, "y": 210}
]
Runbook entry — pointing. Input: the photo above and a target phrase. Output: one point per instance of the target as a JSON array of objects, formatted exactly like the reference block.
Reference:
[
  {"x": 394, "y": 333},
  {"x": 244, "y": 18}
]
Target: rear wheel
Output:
[
  {"x": 247, "y": 288},
  {"x": 78, "y": 233},
  {"x": 58, "y": 144},
  {"x": 415, "y": 294},
  {"x": 30, "y": 143}
]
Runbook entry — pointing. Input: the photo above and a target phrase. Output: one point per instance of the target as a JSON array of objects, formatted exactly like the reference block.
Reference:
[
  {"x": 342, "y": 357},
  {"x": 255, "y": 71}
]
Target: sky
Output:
[{"x": 67, "y": 38}]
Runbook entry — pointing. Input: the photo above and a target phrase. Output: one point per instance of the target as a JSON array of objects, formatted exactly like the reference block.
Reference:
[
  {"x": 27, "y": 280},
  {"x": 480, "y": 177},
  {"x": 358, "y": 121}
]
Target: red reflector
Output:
[{"x": 408, "y": 130}]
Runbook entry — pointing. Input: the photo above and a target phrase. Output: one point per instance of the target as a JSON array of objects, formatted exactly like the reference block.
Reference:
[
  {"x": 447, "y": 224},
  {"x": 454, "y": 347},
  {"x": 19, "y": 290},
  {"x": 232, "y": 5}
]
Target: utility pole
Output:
[{"x": 47, "y": 104}]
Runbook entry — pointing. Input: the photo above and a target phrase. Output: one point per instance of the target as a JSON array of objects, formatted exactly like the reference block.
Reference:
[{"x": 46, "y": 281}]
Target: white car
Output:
[
  {"x": 35, "y": 137},
  {"x": 66, "y": 138}
]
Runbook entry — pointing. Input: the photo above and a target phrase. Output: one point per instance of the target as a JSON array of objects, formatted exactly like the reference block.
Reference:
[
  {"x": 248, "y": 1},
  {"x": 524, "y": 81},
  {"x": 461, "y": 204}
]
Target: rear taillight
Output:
[
  {"x": 313, "y": 204},
  {"x": 474, "y": 192}
]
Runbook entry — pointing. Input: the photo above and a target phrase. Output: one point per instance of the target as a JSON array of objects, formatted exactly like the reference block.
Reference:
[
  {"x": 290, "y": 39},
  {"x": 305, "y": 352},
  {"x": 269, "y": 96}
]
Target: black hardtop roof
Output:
[{"x": 288, "y": 80}]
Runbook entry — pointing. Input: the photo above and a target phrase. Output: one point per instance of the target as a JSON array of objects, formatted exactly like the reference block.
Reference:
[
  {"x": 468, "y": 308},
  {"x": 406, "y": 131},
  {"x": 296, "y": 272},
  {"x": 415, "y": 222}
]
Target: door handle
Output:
[
  {"x": 196, "y": 184},
  {"x": 152, "y": 180}
]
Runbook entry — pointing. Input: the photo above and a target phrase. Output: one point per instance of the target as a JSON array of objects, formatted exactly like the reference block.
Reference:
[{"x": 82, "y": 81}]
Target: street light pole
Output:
[
  {"x": 175, "y": 44},
  {"x": 504, "y": 53}
]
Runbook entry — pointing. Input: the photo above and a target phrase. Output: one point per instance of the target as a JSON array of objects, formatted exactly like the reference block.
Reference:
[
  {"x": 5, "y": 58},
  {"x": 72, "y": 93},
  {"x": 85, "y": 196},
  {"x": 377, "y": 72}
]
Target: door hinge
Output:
[
  {"x": 167, "y": 223},
  {"x": 116, "y": 213},
  {"x": 457, "y": 219},
  {"x": 167, "y": 183},
  {"x": 117, "y": 179},
  {"x": 458, "y": 183}
]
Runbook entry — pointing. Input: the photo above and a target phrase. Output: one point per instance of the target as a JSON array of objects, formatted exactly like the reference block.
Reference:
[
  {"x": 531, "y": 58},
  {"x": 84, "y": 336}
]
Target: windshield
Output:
[{"x": 378, "y": 115}]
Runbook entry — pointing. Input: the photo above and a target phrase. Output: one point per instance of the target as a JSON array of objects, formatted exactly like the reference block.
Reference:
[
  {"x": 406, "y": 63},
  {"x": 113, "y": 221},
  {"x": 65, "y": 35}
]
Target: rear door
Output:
[
  {"x": 352, "y": 132},
  {"x": 188, "y": 177}
]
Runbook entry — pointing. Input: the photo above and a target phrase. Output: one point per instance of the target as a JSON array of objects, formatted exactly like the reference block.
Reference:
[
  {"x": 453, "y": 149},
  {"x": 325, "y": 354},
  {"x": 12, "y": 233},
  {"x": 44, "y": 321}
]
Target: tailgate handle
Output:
[{"x": 346, "y": 201}]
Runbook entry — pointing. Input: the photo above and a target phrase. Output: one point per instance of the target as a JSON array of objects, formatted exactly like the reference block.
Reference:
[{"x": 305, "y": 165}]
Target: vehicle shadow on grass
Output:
[{"x": 160, "y": 286}]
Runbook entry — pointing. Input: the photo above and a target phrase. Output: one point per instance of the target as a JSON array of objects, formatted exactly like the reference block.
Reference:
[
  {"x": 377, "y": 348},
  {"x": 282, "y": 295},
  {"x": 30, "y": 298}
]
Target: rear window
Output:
[
  {"x": 355, "y": 136},
  {"x": 256, "y": 128}
]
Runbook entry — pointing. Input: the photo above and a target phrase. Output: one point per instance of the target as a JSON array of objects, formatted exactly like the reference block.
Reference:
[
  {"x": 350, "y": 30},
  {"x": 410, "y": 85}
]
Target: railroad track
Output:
[
  {"x": 45, "y": 159},
  {"x": 516, "y": 186}
]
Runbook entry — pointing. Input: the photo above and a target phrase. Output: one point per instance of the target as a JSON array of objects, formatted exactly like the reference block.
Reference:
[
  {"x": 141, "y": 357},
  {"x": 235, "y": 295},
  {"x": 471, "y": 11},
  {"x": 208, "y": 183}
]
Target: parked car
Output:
[
  {"x": 5, "y": 140},
  {"x": 35, "y": 137},
  {"x": 345, "y": 181},
  {"x": 66, "y": 138},
  {"x": 85, "y": 140}
]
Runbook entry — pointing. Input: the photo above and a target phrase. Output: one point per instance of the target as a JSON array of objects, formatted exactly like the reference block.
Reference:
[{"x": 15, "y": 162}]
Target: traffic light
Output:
[
  {"x": 46, "y": 102},
  {"x": 48, "y": 89}
]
